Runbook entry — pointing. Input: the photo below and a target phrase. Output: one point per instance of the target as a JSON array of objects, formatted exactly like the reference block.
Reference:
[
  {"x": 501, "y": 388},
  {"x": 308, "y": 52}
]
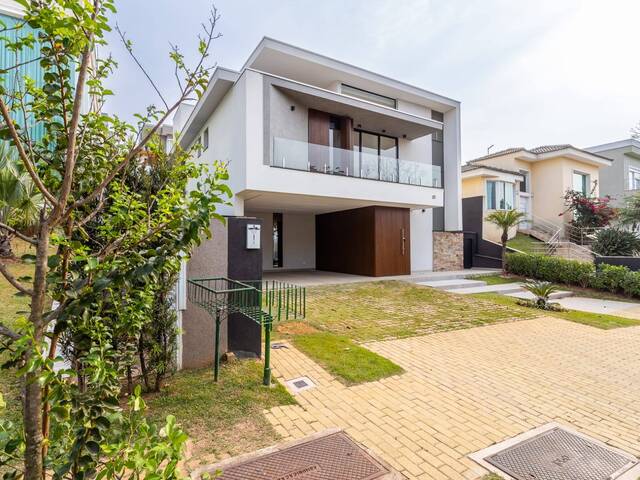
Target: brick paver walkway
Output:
[{"x": 465, "y": 390}]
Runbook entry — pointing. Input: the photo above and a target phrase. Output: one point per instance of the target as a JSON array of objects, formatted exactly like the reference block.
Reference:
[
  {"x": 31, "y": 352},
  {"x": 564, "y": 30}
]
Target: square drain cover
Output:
[
  {"x": 300, "y": 384},
  {"x": 332, "y": 457},
  {"x": 559, "y": 454}
]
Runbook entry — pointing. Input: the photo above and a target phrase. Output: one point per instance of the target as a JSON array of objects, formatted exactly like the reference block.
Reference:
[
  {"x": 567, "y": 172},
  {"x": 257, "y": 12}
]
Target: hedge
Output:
[{"x": 616, "y": 279}]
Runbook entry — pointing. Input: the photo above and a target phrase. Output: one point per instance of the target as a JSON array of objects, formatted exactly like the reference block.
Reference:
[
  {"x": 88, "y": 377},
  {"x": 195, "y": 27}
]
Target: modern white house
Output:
[
  {"x": 306, "y": 135},
  {"x": 347, "y": 170},
  {"x": 622, "y": 177}
]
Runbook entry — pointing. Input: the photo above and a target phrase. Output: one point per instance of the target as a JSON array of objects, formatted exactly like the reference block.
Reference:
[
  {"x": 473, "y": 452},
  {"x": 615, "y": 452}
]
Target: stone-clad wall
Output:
[{"x": 448, "y": 251}]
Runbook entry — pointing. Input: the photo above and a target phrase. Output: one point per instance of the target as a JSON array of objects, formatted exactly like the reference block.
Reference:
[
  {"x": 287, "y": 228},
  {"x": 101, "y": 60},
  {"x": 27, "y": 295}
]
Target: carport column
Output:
[{"x": 452, "y": 173}]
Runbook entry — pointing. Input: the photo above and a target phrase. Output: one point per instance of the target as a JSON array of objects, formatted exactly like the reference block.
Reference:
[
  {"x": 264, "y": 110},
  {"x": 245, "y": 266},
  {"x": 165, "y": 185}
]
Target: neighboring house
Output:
[
  {"x": 533, "y": 181},
  {"x": 10, "y": 16},
  {"x": 348, "y": 170},
  {"x": 622, "y": 178},
  {"x": 14, "y": 79}
]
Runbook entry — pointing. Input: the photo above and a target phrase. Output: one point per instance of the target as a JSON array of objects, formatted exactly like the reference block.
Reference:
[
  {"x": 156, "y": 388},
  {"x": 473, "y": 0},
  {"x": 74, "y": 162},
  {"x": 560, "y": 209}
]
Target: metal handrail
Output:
[{"x": 262, "y": 301}]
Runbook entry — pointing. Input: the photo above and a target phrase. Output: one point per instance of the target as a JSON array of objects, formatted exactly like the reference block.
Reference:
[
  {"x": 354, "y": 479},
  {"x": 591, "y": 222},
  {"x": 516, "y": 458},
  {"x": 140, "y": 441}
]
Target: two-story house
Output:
[
  {"x": 622, "y": 178},
  {"x": 533, "y": 181},
  {"x": 350, "y": 171}
]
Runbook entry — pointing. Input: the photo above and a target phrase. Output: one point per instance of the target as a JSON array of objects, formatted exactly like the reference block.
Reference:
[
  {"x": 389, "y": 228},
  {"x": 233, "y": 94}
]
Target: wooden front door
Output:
[{"x": 392, "y": 241}]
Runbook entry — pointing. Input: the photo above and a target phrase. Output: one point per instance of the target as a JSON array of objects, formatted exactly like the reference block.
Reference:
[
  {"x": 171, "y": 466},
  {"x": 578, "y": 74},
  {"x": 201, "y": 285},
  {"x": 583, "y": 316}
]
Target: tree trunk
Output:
[
  {"x": 5, "y": 246},
  {"x": 504, "y": 239},
  {"x": 33, "y": 465},
  {"x": 143, "y": 363}
]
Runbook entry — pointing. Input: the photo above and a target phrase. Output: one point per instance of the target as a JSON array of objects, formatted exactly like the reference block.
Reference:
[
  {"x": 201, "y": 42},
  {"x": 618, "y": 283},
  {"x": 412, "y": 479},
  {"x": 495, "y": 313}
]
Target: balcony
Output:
[{"x": 309, "y": 157}]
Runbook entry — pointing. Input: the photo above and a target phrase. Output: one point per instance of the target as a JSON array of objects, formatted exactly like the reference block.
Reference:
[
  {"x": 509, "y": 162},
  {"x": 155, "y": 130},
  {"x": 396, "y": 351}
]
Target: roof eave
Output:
[
  {"x": 579, "y": 155},
  {"x": 220, "y": 83}
]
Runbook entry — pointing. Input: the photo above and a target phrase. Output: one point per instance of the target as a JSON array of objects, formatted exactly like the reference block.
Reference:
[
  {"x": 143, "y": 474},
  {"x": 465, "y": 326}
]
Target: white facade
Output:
[{"x": 257, "y": 121}]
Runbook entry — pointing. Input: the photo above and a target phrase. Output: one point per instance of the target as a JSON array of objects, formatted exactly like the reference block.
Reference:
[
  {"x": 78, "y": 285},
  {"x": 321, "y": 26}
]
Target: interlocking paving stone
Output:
[{"x": 468, "y": 389}]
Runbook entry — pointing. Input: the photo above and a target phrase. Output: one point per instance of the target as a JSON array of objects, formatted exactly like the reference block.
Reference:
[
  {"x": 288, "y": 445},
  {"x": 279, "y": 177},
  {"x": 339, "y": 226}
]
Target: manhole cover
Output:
[
  {"x": 332, "y": 457},
  {"x": 558, "y": 454}
]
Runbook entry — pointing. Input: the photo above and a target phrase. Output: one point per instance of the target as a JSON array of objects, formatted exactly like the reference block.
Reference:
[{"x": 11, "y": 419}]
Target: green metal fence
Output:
[{"x": 263, "y": 301}]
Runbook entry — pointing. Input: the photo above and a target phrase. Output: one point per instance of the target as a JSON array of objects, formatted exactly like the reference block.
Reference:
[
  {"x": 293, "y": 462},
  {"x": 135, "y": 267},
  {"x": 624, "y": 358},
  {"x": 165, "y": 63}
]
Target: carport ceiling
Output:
[{"x": 287, "y": 203}]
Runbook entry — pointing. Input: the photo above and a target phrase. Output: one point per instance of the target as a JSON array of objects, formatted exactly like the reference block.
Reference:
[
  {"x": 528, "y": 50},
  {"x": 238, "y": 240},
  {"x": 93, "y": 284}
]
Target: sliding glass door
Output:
[{"x": 378, "y": 155}]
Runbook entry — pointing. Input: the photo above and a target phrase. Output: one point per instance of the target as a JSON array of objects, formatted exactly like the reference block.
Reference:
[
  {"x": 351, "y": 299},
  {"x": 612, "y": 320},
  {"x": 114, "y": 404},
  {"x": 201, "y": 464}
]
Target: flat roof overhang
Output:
[
  {"x": 283, "y": 59},
  {"x": 372, "y": 117}
]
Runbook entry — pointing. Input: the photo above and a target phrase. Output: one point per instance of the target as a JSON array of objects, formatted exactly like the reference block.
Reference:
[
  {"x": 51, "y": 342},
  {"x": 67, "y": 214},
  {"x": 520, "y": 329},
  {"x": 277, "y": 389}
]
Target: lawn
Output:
[
  {"x": 525, "y": 243},
  {"x": 348, "y": 362},
  {"x": 598, "y": 320},
  {"x": 224, "y": 418},
  {"x": 394, "y": 309}
]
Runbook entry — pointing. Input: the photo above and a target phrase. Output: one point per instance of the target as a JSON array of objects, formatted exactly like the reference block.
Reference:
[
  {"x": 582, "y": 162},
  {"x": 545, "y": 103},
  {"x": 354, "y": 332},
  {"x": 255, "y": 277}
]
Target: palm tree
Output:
[
  {"x": 506, "y": 220},
  {"x": 542, "y": 291},
  {"x": 20, "y": 200}
]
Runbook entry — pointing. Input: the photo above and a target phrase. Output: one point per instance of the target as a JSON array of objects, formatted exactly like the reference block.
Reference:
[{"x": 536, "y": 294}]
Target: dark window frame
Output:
[
  {"x": 361, "y": 131},
  {"x": 394, "y": 100},
  {"x": 205, "y": 139},
  {"x": 277, "y": 254}
]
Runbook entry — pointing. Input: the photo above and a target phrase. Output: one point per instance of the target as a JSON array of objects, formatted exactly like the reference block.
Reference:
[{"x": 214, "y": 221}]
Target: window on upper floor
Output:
[
  {"x": 634, "y": 179},
  {"x": 198, "y": 146},
  {"x": 580, "y": 183},
  {"x": 369, "y": 96},
  {"x": 437, "y": 116},
  {"x": 205, "y": 139},
  {"x": 500, "y": 195}
]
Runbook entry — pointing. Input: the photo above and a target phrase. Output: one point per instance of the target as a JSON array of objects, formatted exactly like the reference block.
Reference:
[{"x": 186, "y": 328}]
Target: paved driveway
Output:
[{"x": 467, "y": 389}]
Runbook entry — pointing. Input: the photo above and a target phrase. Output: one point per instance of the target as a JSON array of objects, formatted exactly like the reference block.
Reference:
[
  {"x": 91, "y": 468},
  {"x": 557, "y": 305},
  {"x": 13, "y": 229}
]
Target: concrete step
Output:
[
  {"x": 502, "y": 288},
  {"x": 452, "y": 284},
  {"x": 525, "y": 295}
]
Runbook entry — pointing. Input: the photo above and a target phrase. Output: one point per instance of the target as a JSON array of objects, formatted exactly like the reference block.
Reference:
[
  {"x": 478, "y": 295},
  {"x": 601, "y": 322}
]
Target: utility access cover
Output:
[
  {"x": 332, "y": 457},
  {"x": 558, "y": 454}
]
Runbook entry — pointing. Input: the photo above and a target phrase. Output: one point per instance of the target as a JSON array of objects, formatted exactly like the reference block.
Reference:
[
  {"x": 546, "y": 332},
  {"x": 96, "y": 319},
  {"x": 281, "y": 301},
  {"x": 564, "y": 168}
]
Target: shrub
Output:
[
  {"x": 610, "y": 277},
  {"x": 551, "y": 269},
  {"x": 631, "y": 284},
  {"x": 613, "y": 278},
  {"x": 615, "y": 241}
]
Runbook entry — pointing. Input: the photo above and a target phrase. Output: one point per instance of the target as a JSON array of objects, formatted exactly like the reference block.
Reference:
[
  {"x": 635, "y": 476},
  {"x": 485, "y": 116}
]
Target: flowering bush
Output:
[{"x": 588, "y": 211}]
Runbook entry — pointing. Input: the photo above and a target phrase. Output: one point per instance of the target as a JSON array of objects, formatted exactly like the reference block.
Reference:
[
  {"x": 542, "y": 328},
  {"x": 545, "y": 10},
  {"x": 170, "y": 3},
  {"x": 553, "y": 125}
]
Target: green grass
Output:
[
  {"x": 394, "y": 309},
  {"x": 222, "y": 418},
  {"x": 495, "y": 279},
  {"x": 597, "y": 320},
  {"x": 524, "y": 243},
  {"x": 348, "y": 362}
]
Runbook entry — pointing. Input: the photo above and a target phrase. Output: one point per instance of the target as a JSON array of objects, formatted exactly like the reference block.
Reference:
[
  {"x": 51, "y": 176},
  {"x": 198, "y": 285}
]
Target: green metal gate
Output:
[{"x": 263, "y": 301}]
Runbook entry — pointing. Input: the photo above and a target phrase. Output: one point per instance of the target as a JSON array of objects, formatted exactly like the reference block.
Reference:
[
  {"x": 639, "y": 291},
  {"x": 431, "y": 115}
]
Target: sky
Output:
[{"x": 527, "y": 73}]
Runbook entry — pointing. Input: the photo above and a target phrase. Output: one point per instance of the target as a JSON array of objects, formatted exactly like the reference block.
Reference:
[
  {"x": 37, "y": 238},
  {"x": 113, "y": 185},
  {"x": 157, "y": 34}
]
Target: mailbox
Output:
[{"x": 253, "y": 236}]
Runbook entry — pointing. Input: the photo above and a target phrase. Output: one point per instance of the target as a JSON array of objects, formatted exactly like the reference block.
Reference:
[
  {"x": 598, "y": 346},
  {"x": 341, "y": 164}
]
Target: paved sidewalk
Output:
[{"x": 467, "y": 389}]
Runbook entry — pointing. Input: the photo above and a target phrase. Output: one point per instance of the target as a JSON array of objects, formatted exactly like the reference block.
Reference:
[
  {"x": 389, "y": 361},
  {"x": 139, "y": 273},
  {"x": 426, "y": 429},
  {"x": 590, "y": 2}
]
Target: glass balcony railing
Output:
[{"x": 309, "y": 157}]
